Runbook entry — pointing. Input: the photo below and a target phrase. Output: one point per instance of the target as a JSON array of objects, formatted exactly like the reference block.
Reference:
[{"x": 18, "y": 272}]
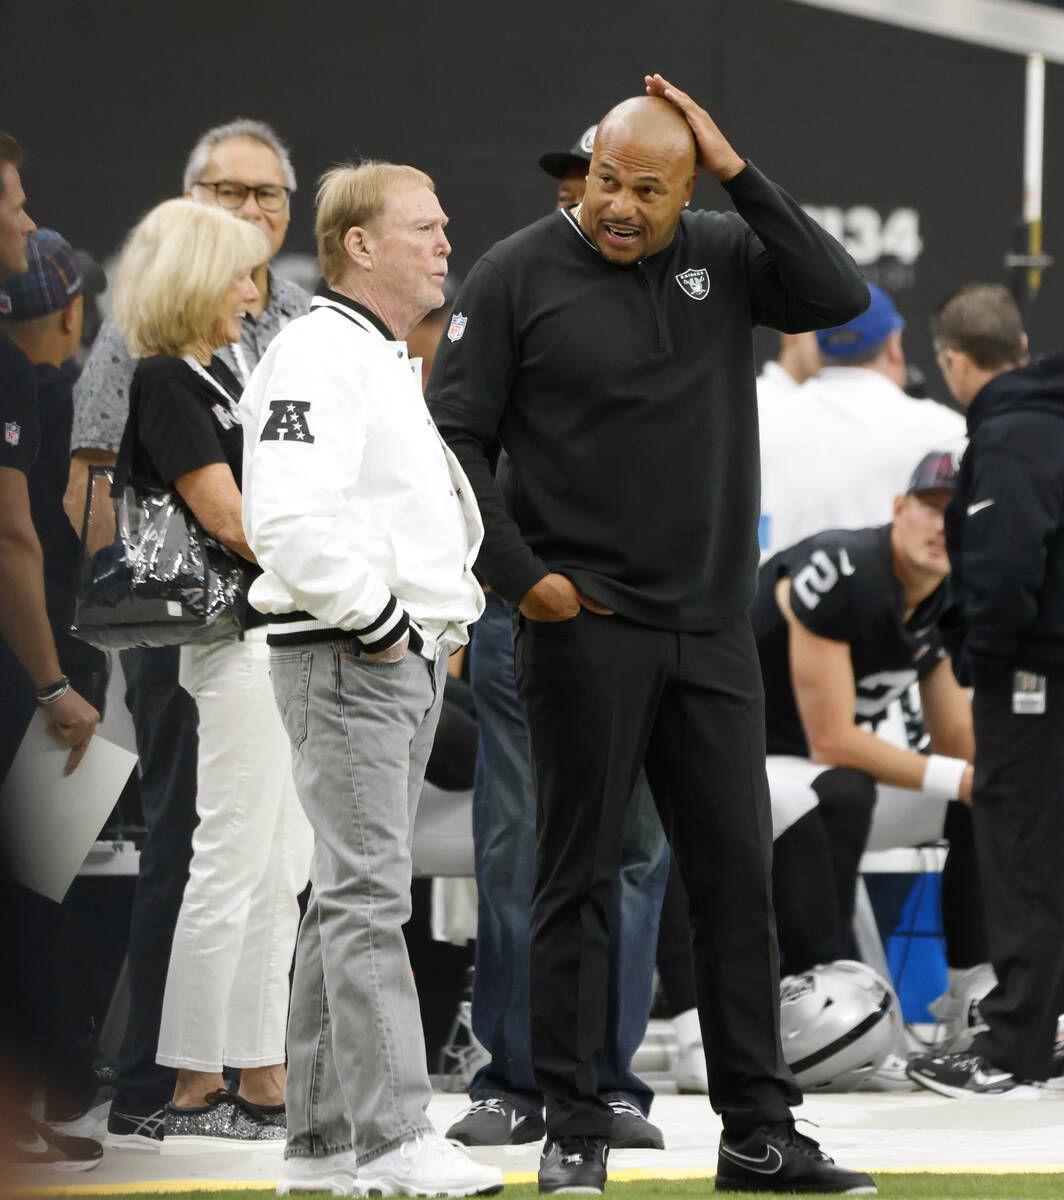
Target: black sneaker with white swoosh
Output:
[
  {"x": 496, "y": 1122},
  {"x": 967, "y": 1076},
  {"x": 782, "y": 1160}
]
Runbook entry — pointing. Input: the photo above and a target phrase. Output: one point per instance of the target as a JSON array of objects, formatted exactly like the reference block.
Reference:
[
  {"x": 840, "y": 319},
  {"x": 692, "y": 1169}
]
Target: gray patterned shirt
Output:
[{"x": 101, "y": 394}]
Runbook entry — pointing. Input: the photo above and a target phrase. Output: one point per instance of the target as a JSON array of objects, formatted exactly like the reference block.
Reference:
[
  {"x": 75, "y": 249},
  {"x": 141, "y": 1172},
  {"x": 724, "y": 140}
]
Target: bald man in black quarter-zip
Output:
[{"x": 608, "y": 350}]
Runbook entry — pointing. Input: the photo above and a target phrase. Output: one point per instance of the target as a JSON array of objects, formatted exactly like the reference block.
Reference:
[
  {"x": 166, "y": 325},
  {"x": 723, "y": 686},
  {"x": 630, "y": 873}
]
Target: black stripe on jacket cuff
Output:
[
  {"x": 395, "y": 634},
  {"x": 386, "y": 614}
]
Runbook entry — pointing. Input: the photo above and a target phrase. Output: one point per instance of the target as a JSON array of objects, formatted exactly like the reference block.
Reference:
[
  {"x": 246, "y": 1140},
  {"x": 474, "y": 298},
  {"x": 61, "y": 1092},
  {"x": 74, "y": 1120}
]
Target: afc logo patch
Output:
[
  {"x": 695, "y": 282},
  {"x": 457, "y": 327},
  {"x": 287, "y": 422}
]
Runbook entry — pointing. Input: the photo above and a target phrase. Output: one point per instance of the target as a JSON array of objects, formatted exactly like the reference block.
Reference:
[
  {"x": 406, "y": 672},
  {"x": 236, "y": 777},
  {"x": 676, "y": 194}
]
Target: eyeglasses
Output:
[{"x": 270, "y": 197}]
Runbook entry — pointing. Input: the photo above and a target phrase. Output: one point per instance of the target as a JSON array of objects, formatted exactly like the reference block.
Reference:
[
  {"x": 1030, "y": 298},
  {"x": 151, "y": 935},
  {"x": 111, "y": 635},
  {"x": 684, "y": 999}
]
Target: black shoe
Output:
[
  {"x": 770, "y": 1161},
  {"x": 495, "y": 1122},
  {"x": 134, "y": 1131},
  {"x": 631, "y": 1130},
  {"x": 38, "y": 1145},
  {"x": 969, "y": 1075},
  {"x": 574, "y": 1166}
]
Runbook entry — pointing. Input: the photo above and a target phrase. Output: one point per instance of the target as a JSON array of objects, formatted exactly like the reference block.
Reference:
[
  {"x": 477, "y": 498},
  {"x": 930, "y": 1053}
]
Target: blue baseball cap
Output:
[
  {"x": 879, "y": 320},
  {"x": 52, "y": 281}
]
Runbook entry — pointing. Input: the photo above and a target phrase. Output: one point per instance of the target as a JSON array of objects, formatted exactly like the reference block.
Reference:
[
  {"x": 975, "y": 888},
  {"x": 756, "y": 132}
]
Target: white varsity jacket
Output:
[{"x": 361, "y": 518}]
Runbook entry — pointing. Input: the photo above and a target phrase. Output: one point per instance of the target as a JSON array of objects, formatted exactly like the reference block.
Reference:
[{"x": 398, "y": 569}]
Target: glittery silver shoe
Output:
[
  {"x": 200, "y": 1126},
  {"x": 225, "y": 1119},
  {"x": 258, "y": 1122}
]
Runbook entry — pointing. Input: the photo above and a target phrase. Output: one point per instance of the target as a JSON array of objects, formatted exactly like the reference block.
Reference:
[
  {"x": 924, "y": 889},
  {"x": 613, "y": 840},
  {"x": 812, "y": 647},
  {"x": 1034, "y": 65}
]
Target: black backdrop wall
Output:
[{"x": 907, "y": 145}]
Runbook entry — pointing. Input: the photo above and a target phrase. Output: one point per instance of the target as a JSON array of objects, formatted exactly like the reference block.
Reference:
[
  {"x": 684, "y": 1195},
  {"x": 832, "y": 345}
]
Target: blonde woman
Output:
[{"x": 183, "y": 284}]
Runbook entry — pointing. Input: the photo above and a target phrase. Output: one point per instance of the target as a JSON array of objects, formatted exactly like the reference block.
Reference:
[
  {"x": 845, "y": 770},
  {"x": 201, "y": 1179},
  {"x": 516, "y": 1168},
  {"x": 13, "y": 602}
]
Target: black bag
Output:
[{"x": 149, "y": 574}]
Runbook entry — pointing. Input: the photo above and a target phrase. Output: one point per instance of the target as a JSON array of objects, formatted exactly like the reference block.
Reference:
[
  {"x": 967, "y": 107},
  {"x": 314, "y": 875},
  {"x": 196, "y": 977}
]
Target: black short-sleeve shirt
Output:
[
  {"x": 843, "y": 587},
  {"x": 18, "y": 408},
  {"x": 181, "y": 422}
]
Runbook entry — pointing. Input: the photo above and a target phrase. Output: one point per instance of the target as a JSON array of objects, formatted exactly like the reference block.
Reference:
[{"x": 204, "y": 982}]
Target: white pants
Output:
[
  {"x": 226, "y": 999},
  {"x": 901, "y": 817}
]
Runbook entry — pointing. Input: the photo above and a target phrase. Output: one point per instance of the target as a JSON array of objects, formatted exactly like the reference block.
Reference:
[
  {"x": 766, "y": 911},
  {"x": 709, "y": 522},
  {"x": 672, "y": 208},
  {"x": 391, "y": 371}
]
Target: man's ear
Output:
[
  {"x": 68, "y": 315},
  {"x": 357, "y": 244}
]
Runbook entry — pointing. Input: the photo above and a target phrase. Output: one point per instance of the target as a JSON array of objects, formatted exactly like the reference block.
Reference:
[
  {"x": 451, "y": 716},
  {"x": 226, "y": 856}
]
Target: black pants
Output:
[
  {"x": 165, "y": 720},
  {"x": 602, "y": 696},
  {"x": 1018, "y": 808},
  {"x": 816, "y": 862}
]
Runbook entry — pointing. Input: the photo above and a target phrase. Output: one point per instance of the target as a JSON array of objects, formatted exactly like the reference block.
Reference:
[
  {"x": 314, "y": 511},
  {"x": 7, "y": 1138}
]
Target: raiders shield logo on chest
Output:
[{"x": 695, "y": 282}]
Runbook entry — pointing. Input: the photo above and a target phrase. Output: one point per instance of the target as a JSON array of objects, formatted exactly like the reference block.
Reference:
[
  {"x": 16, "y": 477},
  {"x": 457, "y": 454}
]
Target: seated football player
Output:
[{"x": 846, "y": 623}]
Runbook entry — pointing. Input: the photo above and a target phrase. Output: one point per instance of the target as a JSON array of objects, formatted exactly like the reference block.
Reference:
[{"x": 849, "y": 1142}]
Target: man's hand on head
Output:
[
  {"x": 715, "y": 153},
  {"x": 556, "y": 598}
]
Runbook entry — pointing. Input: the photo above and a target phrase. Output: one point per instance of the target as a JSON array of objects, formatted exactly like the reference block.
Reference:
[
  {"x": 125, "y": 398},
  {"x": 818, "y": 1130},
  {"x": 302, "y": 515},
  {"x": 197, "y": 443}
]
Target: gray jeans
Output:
[{"x": 361, "y": 733}]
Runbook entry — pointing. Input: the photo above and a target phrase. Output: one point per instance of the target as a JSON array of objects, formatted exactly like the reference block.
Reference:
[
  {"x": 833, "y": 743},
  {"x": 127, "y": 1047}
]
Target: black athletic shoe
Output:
[
  {"x": 574, "y": 1166},
  {"x": 133, "y": 1131},
  {"x": 969, "y": 1075},
  {"x": 770, "y": 1161},
  {"x": 496, "y": 1122},
  {"x": 631, "y": 1130},
  {"x": 38, "y": 1145}
]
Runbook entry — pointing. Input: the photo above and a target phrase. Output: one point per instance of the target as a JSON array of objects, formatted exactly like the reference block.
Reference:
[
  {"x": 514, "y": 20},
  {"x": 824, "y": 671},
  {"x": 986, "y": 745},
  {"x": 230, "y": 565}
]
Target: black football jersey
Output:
[{"x": 843, "y": 587}]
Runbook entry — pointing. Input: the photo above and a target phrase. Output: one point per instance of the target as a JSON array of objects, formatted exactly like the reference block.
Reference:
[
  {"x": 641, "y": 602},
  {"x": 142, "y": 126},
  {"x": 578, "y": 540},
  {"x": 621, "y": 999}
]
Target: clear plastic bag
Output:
[{"x": 150, "y": 575}]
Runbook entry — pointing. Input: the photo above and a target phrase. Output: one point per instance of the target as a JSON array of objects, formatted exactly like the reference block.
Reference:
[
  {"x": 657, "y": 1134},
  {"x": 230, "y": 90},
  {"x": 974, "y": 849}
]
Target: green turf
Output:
[{"x": 917, "y": 1186}]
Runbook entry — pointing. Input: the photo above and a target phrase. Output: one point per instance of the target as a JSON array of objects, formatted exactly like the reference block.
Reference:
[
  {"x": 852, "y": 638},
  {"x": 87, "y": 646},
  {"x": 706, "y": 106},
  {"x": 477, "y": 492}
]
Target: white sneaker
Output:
[
  {"x": 889, "y": 1077},
  {"x": 689, "y": 1069},
  {"x": 428, "y": 1165},
  {"x": 334, "y": 1173}
]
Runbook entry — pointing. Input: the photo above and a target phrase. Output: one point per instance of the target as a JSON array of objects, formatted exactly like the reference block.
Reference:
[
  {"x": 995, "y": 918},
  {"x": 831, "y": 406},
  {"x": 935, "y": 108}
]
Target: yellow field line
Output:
[{"x": 625, "y": 1175}]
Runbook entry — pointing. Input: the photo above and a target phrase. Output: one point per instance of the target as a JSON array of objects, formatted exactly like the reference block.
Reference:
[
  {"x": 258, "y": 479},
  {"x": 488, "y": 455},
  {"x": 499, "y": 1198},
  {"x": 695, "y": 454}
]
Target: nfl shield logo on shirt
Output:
[
  {"x": 456, "y": 327},
  {"x": 5, "y": 303},
  {"x": 12, "y": 432},
  {"x": 695, "y": 282}
]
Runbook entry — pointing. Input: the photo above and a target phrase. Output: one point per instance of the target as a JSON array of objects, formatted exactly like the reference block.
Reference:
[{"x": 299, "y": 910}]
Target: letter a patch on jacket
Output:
[{"x": 287, "y": 422}]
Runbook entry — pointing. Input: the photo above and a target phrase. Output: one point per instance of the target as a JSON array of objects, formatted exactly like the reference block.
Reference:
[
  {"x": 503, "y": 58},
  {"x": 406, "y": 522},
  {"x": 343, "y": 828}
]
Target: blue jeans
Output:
[{"x": 504, "y": 836}]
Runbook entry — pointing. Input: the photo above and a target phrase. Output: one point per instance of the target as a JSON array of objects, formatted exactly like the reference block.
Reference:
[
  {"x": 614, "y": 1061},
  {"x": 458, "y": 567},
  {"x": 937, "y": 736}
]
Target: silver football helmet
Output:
[
  {"x": 957, "y": 1009},
  {"x": 838, "y": 1023}
]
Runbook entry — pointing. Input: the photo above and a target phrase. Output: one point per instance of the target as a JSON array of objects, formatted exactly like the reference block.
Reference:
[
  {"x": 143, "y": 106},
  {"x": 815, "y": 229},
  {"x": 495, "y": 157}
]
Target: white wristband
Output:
[{"x": 942, "y": 776}]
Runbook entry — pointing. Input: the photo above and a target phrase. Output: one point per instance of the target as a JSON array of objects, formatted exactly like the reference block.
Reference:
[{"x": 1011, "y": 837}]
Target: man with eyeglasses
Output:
[{"x": 242, "y": 166}]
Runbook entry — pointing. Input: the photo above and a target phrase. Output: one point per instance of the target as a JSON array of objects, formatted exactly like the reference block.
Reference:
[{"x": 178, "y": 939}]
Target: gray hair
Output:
[{"x": 242, "y": 127}]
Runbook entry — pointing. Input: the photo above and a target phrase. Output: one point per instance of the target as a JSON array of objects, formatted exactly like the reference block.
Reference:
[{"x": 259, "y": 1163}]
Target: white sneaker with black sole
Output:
[
  {"x": 428, "y": 1165},
  {"x": 336, "y": 1174}
]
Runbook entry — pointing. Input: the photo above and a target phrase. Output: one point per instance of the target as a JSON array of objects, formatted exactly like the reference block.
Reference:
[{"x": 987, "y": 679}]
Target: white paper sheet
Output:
[{"x": 48, "y": 821}]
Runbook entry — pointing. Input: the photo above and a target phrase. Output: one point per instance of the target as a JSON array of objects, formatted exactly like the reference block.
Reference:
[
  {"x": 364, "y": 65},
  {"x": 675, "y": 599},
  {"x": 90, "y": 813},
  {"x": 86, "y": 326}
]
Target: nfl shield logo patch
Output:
[
  {"x": 5, "y": 303},
  {"x": 12, "y": 432},
  {"x": 456, "y": 327},
  {"x": 695, "y": 282}
]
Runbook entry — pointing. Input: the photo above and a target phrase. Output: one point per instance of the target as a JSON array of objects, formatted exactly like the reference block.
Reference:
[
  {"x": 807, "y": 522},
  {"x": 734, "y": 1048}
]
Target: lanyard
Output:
[
  {"x": 242, "y": 370},
  {"x": 230, "y": 401}
]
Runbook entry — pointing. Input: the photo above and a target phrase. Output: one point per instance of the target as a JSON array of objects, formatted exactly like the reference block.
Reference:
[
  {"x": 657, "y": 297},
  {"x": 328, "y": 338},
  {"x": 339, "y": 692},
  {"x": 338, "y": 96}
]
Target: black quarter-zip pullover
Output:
[{"x": 624, "y": 399}]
